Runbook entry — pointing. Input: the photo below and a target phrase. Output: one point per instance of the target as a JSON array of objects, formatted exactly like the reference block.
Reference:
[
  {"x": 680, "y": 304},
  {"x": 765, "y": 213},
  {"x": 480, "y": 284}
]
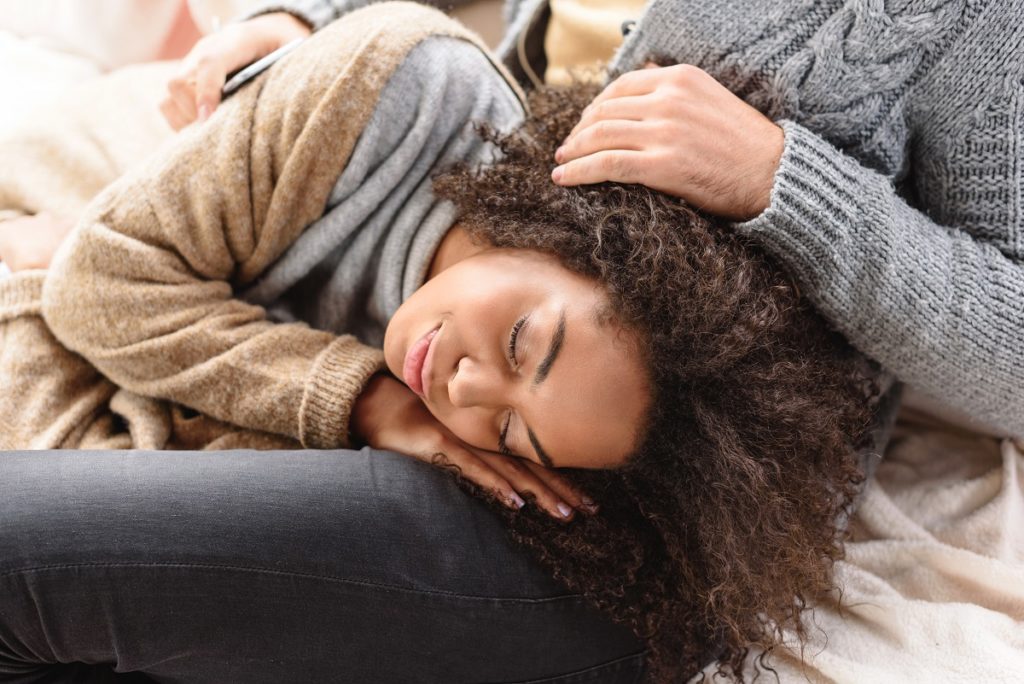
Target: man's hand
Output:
[
  {"x": 388, "y": 415},
  {"x": 194, "y": 92},
  {"x": 29, "y": 242},
  {"x": 678, "y": 130}
]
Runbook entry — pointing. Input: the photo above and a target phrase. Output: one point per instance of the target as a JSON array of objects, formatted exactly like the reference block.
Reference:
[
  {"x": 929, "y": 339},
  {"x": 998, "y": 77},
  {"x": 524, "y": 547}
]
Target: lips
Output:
[{"x": 415, "y": 362}]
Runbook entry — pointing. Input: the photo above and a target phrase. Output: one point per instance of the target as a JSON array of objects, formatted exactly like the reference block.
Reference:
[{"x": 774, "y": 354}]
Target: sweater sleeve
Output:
[
  {"x": 144, "y": 288},
  {"x": 942, "y": 311},
  {"x": 51, "y": 397}
]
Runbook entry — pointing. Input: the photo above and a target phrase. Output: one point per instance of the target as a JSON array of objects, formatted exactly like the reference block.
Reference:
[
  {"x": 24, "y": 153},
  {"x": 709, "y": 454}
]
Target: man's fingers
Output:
[
  {"x": 615, "y": 165},
  {"x": 629, "y": 108},
  {"x": 605, "y": 135},
  {"x": 632, "y": 83}
]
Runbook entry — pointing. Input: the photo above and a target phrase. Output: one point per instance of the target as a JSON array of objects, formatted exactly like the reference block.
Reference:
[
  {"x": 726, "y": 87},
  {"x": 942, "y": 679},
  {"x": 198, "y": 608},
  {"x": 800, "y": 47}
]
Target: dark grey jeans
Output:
[{"x": 305, "y": 566}]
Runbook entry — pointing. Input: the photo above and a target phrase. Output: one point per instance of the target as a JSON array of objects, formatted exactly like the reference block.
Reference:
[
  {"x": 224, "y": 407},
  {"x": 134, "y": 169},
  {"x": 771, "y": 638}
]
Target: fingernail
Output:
[
  {"x": 564, "y": 510},
  {"x": 590, "y": 508},
  {"x": 587, "y": 501},
  {"x": 204, "y": 112},
  {"x": 516, "y": 500},
  {"x": 556, "y": 175},
  {"x": 560, "y": 154}
]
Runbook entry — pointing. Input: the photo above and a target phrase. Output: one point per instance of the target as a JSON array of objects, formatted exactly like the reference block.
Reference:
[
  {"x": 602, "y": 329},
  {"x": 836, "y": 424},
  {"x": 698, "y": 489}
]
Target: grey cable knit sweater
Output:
[{"x": 899, "y": 201}]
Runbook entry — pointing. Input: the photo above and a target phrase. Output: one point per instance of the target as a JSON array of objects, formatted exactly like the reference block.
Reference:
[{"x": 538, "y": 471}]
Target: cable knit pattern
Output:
[{"x": 898, "y": 201}]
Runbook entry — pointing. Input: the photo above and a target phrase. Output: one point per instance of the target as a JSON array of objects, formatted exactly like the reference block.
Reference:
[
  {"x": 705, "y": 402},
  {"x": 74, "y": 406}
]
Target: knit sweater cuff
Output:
[
  {"x": 21, "y": 294},
  {"x": 338, "y": 376},
  {"x": 815, "y": 204},
  {"x": 315, "y": 13}
]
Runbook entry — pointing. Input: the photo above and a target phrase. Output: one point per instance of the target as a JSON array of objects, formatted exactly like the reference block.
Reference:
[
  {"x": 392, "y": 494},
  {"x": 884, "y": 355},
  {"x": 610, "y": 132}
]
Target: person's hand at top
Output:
[
  {"x": 194, "y": 91},
  {"x": 678, "y": 130}
]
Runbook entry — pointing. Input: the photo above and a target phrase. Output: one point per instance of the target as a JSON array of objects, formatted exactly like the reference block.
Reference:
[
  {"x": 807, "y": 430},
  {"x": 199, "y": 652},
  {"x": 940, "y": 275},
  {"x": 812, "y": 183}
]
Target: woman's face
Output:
[{"x": 508, "y": 350}]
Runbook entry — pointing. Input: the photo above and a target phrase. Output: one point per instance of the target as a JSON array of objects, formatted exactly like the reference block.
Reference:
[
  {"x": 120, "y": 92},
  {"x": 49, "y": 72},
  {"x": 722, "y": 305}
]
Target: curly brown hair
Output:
[{"x": 726, "y": 522}]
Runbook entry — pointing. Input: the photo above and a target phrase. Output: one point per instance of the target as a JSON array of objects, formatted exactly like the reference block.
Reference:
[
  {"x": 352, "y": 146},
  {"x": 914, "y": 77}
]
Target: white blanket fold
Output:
[{"x": 933, "y": 581}]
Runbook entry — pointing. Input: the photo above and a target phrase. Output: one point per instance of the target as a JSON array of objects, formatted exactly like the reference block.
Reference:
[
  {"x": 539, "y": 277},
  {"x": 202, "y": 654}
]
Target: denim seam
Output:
[
  {"x": 603, "y": 668},
  {"x": 286, "y": 573}
]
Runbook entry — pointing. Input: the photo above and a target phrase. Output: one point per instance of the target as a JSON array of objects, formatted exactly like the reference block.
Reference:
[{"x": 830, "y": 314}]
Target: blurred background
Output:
[{"x": 46, "y": 46}]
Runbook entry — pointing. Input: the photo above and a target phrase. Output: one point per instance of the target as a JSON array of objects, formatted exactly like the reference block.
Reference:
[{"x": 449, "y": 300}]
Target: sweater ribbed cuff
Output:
[
  {"x": 815, "y": 206},
  {"x": 315, "y": 14},
  {"x": 21, "y": 294},
  {"x": 337, "y": 378}
]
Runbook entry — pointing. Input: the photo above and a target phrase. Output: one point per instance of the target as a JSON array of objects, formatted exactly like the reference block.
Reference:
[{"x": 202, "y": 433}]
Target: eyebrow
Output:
[{"x": 543, "y": 369}]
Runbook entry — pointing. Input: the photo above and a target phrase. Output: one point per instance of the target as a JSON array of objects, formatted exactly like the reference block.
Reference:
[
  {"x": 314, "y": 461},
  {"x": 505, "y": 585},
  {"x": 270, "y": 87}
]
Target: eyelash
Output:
[
  {"x": 512, "y": 341},
  {"x": 502, "y": 446}
]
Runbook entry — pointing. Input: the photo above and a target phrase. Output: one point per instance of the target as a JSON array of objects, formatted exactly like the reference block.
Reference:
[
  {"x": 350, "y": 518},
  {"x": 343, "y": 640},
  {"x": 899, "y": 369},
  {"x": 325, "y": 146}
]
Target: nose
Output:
[{"x": 478, "y": 385}]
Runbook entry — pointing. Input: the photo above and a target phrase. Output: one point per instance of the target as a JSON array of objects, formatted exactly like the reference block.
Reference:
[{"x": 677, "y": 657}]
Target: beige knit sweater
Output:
[{"x": 143, "y": 286}]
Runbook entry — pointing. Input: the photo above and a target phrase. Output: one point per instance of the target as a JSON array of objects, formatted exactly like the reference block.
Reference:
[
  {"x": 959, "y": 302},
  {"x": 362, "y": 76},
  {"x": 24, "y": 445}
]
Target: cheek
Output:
[{"x": 473, "y": 426}]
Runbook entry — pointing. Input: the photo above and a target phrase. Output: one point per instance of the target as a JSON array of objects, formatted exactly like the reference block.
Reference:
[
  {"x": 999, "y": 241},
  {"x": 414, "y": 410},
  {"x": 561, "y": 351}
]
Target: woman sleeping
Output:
[{"x": 295, "y": 272}]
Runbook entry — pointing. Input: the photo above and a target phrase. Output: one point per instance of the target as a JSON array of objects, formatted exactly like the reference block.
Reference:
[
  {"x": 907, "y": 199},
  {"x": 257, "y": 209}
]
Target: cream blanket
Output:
[{"x": 933, "y": 581}]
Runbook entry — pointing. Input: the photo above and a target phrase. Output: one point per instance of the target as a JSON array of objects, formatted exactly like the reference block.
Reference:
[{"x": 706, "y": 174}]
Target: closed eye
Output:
[
  {"x": 512, "y": 341},
  {"x": 503, "y": 436},
  {"x": 514, "y": 362}
]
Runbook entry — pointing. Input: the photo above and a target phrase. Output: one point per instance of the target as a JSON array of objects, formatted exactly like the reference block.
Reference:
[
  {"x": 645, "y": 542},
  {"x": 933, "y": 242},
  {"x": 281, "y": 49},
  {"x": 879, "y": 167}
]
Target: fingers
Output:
[
  {"x": 609, "y": 165},
  {"x": 550, "y": 489},
  {"x": 605, "y": 135},
  {"x": 194, "y": 93},
  {"x": 182, "y": 92},
  {"x": 633, "y": 83},
  {"x": 481, "y": 473},
  {"x": 561, "y": 487},
  {"x": 629, "y": 108},
  {"x": 174, "y": 117},
  {"x": 209, "y": 80},
  {"x": 523, "y": 479}
]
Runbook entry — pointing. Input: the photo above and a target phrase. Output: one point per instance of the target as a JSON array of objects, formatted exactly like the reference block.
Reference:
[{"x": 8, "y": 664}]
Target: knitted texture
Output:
[
  {"x": 143, "y": 289},
  {"x": 899, "y": 203},
  {"x": 55, "y": 399}
]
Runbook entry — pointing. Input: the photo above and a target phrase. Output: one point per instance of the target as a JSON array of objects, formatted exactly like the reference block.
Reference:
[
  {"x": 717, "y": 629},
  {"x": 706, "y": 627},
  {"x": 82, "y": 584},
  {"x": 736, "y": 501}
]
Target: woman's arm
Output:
[
  {"x": 941, "y": 310},
  {"x": 144, "y": 286},
  {"x": 51, "y": 397}
]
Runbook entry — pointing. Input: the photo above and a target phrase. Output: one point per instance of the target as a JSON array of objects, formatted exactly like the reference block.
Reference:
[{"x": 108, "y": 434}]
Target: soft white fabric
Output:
[
  {"x": 933, "y": 581},
  {"x": 109, "y": 33},
  {"x": 32, "y": 75}
]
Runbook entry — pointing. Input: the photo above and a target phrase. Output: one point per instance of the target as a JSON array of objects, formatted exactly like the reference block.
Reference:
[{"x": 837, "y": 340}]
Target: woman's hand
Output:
[
  {"x": 388, "y": 415},
  {"x": 678, "y": 130},
  {"x": 194, "y": 92},
  {"x": 29, "y": 242}
]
